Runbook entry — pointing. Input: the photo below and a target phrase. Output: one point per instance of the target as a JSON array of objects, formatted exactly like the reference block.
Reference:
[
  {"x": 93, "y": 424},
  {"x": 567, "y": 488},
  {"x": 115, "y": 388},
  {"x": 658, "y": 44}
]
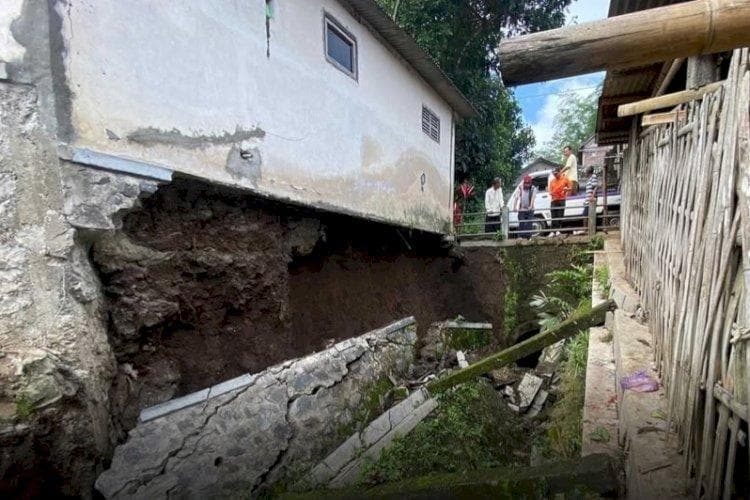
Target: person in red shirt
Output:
[{"x": 559, "y": 187}]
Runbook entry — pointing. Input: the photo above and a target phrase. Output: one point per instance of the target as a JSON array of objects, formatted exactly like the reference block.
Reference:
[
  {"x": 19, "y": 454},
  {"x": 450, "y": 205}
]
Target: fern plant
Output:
[{"x": 551, "y": 310}]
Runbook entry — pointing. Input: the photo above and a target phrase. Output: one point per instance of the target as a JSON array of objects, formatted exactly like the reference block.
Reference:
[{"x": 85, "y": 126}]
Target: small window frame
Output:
[
  {"x": 338, "y": 28},
  {"x": 433, "y": 127}
]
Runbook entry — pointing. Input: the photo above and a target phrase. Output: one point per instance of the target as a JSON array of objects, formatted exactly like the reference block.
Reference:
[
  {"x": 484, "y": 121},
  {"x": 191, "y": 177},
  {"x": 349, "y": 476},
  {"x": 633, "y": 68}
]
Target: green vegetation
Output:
[
  {"x": 369, "y": 408},
  {"x": 24, "y": 407},
  {"x": 461, "y": 36},
  {"x": 566, "y": 290},
  {"x": 601, "y": 275},
  {"x": 562, "y": 438},
  {"x": 510, "y": 305},
  {"x": 464, "y": 339},
  {"x": 471, "y": 429},
  {"x": 574, "y": 122},
  {"x": 596, "y": 243}
]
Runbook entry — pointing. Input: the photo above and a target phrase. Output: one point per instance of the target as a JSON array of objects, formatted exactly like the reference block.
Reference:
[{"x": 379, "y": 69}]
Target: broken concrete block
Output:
[
  {"x": 461, "y": 357},
  {"x": 506, "y": 375},
  {"x": 343, "y": 454},
  {"x": 527, "y": 390},
  {"x": 538, "y": 403}
]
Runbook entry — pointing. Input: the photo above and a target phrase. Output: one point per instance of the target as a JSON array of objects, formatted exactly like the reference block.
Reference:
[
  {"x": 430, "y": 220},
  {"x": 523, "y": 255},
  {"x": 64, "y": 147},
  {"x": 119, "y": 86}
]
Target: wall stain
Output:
[{"x": 151, "y": 136}]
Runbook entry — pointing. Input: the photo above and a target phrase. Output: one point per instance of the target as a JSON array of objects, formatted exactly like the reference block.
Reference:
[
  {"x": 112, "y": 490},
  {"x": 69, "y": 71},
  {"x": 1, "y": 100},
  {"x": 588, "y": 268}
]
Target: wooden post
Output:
[
  {"x": 636, "y": 39},
  {"x": 577, "y": 322},
  {"x": 592, "y": 217},
  {"x": 505, "y": 222}
]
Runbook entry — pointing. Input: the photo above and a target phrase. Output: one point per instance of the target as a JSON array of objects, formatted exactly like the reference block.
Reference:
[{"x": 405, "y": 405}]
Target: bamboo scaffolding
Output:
[{"x": 686, "y": 196}]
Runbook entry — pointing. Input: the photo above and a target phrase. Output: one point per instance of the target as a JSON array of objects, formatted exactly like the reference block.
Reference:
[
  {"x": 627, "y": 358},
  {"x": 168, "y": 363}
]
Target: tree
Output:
[
  {"x": 462, "y": 36},
  {"x": 574, "y": 122}
]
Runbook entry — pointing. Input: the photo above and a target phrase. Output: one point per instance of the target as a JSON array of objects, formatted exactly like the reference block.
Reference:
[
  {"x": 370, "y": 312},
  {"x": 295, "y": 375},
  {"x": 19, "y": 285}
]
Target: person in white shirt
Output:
[
  {"x": 570, "y": 169},
  {"x": 493, "y": 205}
]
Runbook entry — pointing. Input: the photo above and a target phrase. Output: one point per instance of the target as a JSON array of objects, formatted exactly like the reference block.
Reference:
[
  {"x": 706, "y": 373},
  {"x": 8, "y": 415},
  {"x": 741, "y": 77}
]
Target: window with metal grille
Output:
[
  {"x": 430, "y": 124},
  {"x": 341, "y": 47}
]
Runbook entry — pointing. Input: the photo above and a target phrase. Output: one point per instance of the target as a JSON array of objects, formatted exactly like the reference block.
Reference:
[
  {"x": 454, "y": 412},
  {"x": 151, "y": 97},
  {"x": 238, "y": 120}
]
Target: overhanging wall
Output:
[{"x": 215, "y": 90}]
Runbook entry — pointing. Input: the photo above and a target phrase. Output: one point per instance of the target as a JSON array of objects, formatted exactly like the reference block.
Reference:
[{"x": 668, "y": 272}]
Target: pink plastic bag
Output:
[{"x": 639, "y": 381}]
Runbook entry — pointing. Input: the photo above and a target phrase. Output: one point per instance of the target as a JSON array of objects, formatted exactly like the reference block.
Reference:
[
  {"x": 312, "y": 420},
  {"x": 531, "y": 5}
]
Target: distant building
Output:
[
  {"x": 590, "y": 154},
  {"x": 538, "y": 164}
]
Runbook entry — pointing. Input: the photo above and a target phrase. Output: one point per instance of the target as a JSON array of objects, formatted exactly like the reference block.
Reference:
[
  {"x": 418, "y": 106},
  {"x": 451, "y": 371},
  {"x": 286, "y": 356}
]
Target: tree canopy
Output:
[
  {"x": 574, "y": 122},
  {"x": 462, "y": 36}
]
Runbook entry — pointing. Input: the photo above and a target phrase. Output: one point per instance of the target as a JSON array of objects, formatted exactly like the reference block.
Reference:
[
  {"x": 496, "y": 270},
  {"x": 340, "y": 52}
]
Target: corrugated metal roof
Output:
[
  {"x": 407, "y": 47},
  {"x": 627, "y": 85}
]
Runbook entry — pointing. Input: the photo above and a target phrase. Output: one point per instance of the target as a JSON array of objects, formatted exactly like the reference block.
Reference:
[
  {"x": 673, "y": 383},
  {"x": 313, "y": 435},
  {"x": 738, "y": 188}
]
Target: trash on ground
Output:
[{"x": 639, "y": 381}]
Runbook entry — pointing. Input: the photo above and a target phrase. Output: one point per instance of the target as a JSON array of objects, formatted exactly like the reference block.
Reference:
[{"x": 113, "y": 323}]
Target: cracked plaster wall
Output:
[{"x": 274, "y": 429}]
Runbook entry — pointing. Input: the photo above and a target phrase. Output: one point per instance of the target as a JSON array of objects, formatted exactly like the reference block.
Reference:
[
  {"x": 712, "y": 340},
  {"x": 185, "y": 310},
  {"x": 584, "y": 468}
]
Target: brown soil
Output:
[{"x": 205, "y": 284}]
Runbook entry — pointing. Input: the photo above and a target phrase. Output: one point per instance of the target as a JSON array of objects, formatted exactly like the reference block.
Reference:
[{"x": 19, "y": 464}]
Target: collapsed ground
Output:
[{"x": 204, "y": 284}]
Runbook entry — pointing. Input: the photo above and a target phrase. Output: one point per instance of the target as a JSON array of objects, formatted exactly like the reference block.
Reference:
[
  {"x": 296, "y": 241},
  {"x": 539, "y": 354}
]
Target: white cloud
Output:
[
  {"x": 543, "y": 123},
  {"x": 580, "y": 11}
]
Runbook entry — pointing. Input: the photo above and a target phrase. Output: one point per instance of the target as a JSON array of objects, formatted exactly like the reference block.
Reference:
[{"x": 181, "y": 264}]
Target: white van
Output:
[{"x": 573, "y": 207}]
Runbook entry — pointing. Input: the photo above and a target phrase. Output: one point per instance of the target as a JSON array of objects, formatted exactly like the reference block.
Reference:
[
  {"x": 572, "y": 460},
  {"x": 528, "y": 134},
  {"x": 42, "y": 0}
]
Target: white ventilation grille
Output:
[{"x": 430, "y": 124}]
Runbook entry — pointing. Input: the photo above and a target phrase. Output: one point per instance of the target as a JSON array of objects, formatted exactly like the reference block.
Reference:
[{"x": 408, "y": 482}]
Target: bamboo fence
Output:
[{"x": 686, "y": 242}]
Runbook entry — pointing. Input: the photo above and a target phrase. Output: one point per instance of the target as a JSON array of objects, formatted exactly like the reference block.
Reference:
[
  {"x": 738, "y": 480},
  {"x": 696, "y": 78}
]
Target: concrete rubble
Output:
[
  {"x": 342, "y": 467},
  {"x": 258, "y": 429}
]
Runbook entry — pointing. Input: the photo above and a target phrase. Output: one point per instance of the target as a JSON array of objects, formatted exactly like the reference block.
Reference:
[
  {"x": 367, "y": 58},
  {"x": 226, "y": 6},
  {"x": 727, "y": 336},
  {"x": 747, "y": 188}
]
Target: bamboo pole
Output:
[
  {"x": 667, "y": 100},
  {"x": 577, "y": 322},
  {"x": 631, "y": 40}
]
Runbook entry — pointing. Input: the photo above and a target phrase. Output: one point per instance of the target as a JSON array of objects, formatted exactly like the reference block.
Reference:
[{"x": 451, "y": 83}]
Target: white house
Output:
[{"x": 324, "y": 103}]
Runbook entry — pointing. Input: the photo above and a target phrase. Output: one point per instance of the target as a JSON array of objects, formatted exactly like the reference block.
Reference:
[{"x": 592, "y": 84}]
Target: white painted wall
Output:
[{"x": 172, "y": 72}]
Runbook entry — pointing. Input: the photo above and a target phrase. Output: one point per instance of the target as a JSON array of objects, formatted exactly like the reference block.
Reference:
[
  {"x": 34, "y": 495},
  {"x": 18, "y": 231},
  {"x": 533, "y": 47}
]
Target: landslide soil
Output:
[{"x": 205, "y": 284}]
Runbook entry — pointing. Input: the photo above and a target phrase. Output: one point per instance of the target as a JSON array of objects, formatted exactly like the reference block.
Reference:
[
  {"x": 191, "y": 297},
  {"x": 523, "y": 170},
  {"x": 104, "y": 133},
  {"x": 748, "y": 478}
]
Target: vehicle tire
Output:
[
  {"x": 613, "y": 221},
  {"x": 538, "y": 224}
]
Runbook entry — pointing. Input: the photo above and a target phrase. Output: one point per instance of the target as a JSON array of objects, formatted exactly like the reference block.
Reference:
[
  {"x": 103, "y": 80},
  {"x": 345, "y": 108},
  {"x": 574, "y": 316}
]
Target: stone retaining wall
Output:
[{"x": 242, "y": 436}]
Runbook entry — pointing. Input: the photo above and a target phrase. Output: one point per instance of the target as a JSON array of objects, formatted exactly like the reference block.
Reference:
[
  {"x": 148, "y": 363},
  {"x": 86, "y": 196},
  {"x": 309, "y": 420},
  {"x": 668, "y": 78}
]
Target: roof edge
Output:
[{"x": 412, "y": 53}]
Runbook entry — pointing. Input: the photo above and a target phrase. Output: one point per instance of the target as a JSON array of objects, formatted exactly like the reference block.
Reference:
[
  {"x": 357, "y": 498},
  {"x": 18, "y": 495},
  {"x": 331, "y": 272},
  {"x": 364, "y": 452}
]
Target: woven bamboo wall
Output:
[{"x": 685, "y": 223}]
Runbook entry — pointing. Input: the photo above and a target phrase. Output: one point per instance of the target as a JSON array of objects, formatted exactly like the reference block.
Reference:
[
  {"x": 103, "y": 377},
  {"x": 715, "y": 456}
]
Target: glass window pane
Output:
[{"x": 340, "y": 49}]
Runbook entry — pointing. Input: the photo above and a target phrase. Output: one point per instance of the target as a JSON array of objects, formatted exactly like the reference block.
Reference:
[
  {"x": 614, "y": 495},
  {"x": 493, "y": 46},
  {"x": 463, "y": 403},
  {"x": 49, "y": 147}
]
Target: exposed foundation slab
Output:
[{"x": 248, "y": 433}]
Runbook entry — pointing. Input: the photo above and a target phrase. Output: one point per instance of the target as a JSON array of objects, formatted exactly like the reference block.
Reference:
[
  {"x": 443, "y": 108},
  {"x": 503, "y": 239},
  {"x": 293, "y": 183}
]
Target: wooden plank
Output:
[
  {"x": 636, "y": 39},
  {"x": 662, "y": 118},
  {"x": 667, "y": 100}
]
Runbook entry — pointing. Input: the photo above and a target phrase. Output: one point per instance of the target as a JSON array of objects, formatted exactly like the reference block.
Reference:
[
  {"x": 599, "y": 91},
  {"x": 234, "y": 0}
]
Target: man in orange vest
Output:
[{"x": 559, "y": 187}]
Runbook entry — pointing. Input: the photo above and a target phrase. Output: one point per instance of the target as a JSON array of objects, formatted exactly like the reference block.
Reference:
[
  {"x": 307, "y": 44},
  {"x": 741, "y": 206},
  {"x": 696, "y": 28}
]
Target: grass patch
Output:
[
  {"x": 601, "y": 275},
  {"x": 471, "y": 429},
  {"x": 596, "y": 243},
  {"x": 370, "y": 407},
  {"x": 24, "y": 408},
  {"x": 563, "y": 431}
]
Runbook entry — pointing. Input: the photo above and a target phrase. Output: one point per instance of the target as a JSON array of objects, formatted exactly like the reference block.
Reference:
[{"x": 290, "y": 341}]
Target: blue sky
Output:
[{"x": 539, "y": 101}]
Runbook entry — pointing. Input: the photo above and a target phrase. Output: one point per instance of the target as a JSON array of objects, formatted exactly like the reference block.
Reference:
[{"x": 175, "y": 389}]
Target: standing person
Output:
[
  {"x": 525, "y": 204},
  {"x": 559, "y": 187},
  {"x": 570, "y": 169},
  {"x": 493, "y": 205},
  {"x": 592, "y": 184}
]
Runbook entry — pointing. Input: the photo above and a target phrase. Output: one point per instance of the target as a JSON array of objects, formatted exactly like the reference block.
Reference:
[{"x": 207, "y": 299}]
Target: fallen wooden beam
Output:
[
  {"x": 577, "y": 322},
  {"x": 661, "y": 118},
  {"x": 667, "y": 100},
  {"x": 636, "y": 39}
]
